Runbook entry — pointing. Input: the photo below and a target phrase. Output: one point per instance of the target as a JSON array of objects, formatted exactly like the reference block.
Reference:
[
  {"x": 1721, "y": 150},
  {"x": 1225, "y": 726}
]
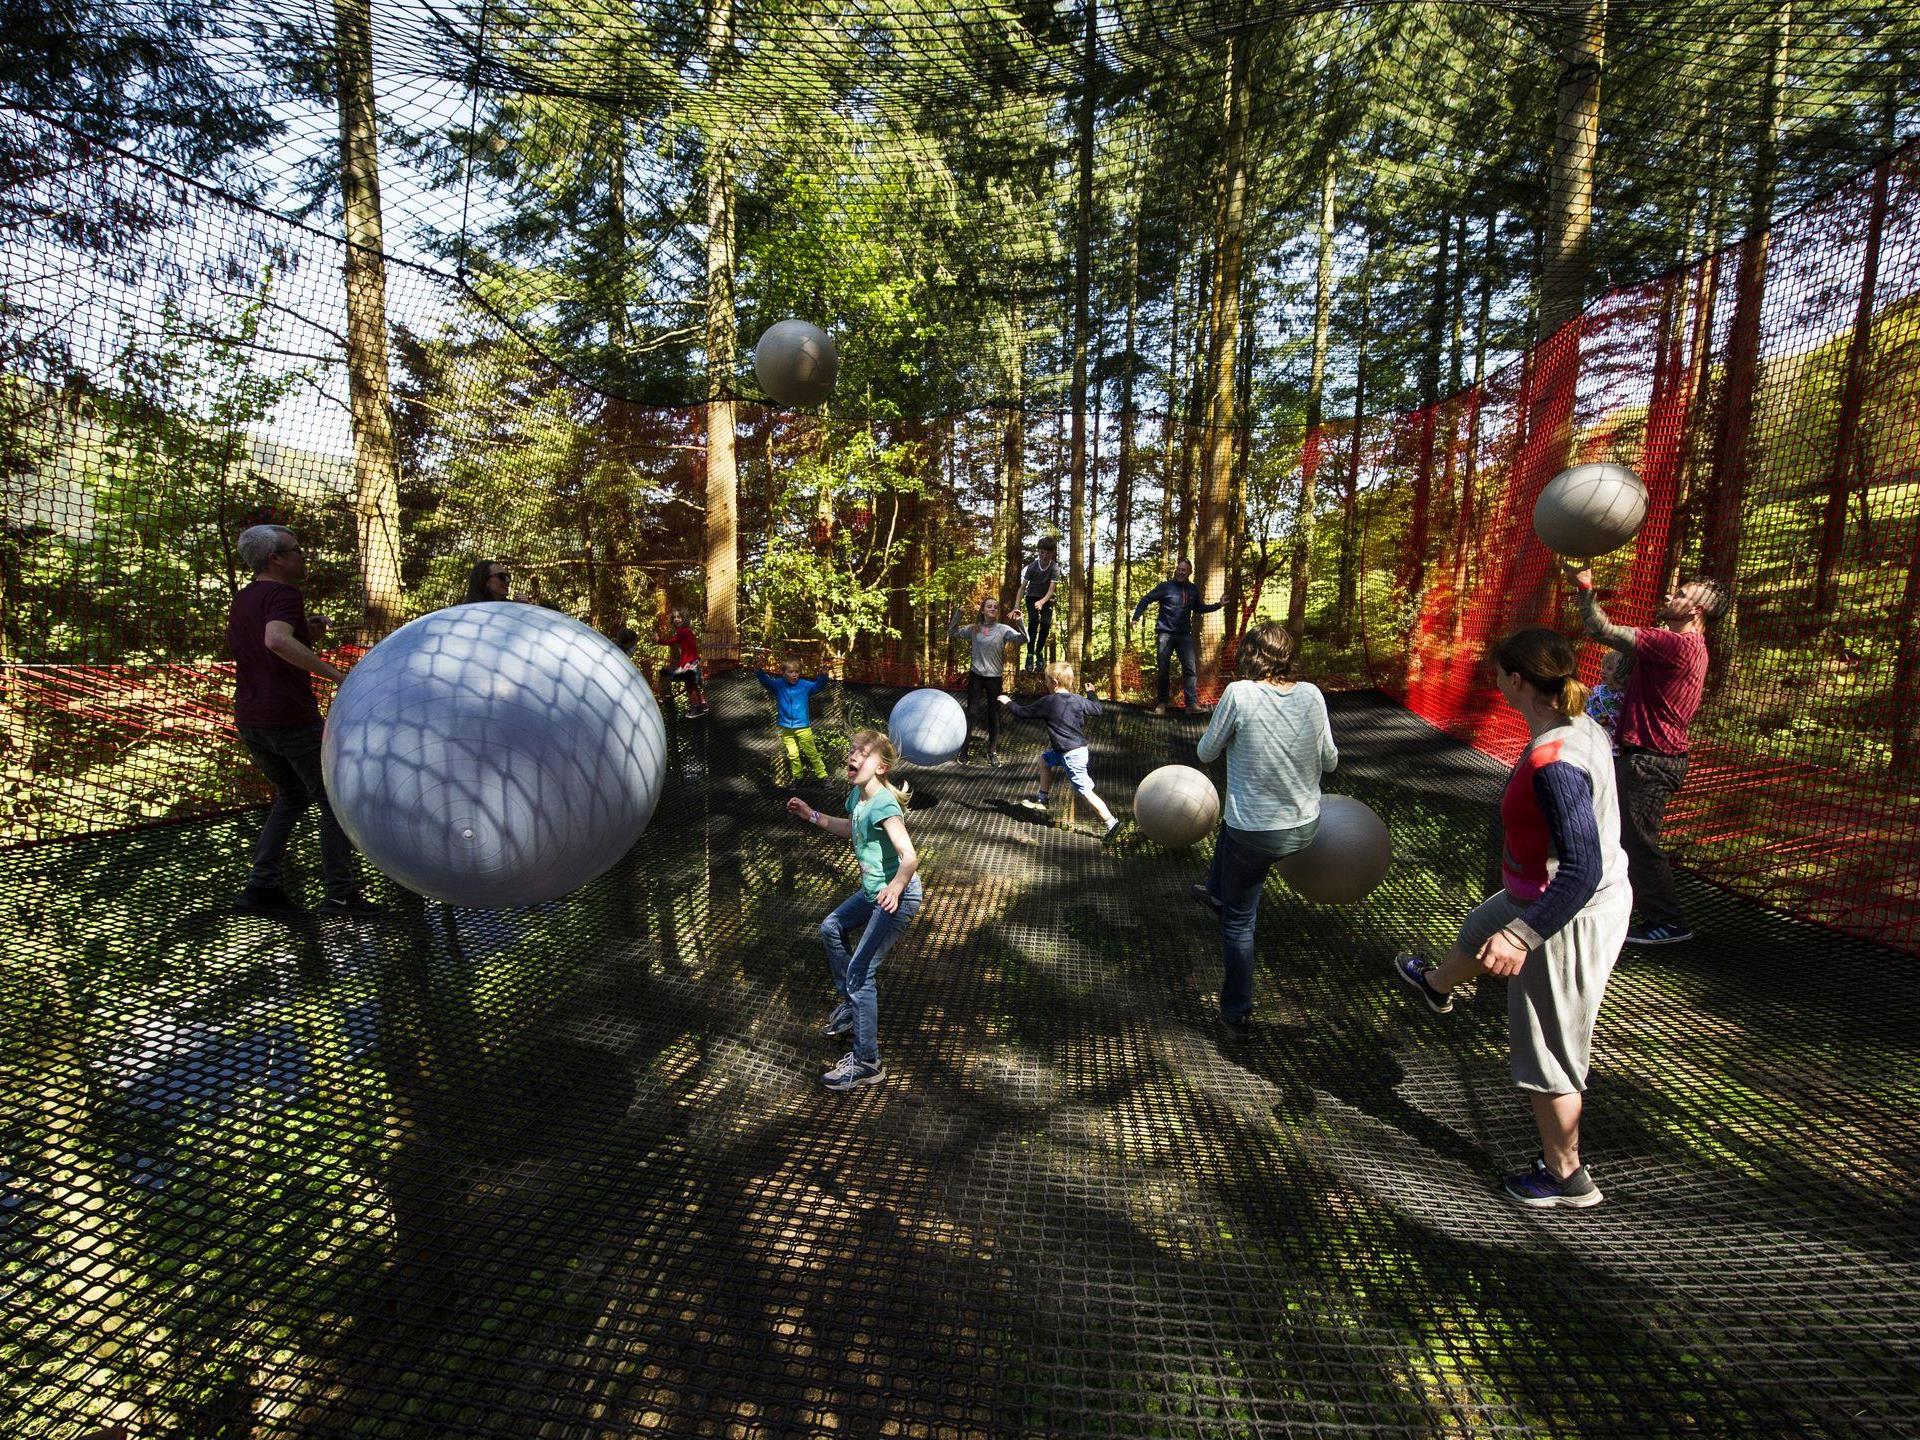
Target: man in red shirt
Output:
[
  {"x": 1669, "y": 676},
  {"x": 279, "y": 721}
]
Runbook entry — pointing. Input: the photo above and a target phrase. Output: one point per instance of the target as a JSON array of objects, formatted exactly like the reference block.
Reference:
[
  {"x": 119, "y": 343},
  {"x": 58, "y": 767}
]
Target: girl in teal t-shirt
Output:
[{"x": 881, "y": 909}]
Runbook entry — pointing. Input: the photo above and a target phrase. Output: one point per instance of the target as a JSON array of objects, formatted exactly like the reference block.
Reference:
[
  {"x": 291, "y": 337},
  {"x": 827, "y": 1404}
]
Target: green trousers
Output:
[{"x": 798, "y": 743}]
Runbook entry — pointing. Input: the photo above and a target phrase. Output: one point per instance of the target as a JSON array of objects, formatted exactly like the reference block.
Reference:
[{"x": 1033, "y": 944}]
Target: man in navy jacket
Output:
[{"x": 1179, "y": 602}]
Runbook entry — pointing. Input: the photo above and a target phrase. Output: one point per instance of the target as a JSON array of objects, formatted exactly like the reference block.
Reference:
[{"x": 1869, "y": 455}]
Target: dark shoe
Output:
[
  {"x": 1659, "y": 935},
  {"x": 265, "y": 900},
  {"x": 351, "y": 907},
  {"x": 851, "y": 1074},
  {"x": 840, "y": 1022},
  {"x": 1207, "y": 898},
  {"x": 1236, "y": 1027},
  {"x": 1112, "y": 832},
  {"x": 1413, "y": 969},
  {"x": 1538, "y": 1188},
  {"x": 694, "y": 712},
  {"x": 992, "y": 758}
]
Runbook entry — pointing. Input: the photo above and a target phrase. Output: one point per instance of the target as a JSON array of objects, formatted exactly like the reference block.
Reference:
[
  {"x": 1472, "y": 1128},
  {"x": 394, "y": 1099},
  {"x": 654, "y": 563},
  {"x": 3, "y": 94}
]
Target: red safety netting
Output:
[{"x": 1780, "y": 445}]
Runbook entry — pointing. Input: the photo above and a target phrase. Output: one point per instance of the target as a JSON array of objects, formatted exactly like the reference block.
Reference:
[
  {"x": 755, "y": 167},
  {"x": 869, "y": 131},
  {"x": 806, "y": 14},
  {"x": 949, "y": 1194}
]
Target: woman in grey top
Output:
[
  {"x": 1278, "y": 742},
  {"x": 988, "y": 638}
]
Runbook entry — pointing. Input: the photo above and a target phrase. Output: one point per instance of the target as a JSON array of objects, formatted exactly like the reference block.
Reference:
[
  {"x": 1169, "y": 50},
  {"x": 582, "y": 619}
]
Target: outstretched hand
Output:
[
  {"x": 1579, "y": 572},
  {"x": 799, "y": 809}
]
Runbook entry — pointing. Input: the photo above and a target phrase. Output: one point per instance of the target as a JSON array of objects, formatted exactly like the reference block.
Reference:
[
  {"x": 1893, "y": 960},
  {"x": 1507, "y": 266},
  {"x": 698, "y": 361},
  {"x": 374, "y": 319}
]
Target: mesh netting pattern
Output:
[{"x": 566, "y": 1172}]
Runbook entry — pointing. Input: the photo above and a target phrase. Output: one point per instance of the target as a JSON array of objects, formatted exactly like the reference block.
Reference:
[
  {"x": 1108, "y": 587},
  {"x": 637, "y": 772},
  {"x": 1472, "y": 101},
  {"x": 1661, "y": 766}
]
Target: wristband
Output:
[{"x": 814, "y": 819}]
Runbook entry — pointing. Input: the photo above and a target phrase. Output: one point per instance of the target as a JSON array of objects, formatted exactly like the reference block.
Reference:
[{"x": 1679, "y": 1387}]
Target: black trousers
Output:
[
  {"x": 1646, "y": 780},
  {"x": 984, "y": 690},
  {"x": 1039, "y": 626},
  {"x": 1165, "y": 645},
  {"x": 290, "y": 757}
]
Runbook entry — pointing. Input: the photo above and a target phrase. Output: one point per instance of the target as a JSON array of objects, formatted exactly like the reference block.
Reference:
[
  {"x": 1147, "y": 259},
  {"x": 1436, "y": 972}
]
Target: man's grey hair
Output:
[{"x": 259, "y": 543}]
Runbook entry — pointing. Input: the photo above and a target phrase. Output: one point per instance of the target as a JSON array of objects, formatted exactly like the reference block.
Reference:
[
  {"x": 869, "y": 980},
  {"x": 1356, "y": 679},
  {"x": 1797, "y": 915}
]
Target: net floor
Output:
[{"x": 568, "y": 1172}]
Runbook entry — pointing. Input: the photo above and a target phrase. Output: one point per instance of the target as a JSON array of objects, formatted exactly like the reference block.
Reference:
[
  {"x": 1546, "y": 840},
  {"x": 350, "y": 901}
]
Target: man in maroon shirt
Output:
[
  {"x": 279, "y": 722},
  {"x": 1669, "y": 676}
]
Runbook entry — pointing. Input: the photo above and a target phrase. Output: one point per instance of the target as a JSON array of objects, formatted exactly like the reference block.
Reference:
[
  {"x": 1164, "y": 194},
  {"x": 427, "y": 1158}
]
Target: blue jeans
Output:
[
  {"x": 1241, "y": 860},
  {"x": 1165, "y": 645},
  {"x": 853, "y": 974}
]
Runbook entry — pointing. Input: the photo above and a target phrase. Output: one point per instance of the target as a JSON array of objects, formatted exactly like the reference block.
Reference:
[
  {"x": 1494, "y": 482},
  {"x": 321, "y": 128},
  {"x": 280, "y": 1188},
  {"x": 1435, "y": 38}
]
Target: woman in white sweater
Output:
[{"x": 1278, "y": 743}]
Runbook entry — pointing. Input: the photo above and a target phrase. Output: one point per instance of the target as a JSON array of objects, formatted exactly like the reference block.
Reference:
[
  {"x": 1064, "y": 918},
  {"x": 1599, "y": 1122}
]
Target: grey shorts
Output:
[{"x": 1554, "y": 1000}]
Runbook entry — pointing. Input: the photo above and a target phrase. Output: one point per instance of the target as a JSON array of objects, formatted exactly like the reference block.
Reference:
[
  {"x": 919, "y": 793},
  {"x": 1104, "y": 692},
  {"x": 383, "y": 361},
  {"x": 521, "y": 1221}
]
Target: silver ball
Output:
[
  {"x": 494, "y": 755},
  {"x": 796, "y": 363}
]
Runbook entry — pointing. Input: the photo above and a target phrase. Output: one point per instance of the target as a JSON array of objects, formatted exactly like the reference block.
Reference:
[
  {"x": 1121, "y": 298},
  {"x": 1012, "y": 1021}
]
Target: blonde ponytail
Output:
[
  {"x": 1573, "y": 697},
  {"x": 1545, "y": 660}
]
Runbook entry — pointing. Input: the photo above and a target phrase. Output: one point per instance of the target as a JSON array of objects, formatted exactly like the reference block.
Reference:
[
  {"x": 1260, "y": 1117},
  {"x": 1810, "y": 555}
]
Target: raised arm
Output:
[{"x": 1593, "y": 619}]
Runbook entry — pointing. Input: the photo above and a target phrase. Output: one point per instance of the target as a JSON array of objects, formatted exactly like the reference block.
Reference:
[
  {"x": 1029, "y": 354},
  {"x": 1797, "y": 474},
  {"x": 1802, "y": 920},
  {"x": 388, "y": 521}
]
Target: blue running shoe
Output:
[
  {"x": 1659, "y": 935},
  {"x": 1413, "y": 969},
  {"x": 1538, "y": 1188}
]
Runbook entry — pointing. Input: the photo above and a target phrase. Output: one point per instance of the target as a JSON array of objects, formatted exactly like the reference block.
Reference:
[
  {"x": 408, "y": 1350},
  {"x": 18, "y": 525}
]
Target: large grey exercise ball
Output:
[
  {"x": 1590, "y": 510},
  {"x": 927, "y": 727},
  {"x": 1176, "y": 805},
  {"x": 494, "y": 755},
  {"x": 796, "y": 363},
  {"x": 1347, "y": 858}
]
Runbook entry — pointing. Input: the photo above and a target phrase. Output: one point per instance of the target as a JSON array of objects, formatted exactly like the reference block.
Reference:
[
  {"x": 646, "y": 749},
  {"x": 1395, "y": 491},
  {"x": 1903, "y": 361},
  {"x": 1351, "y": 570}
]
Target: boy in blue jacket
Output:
[
  {"x": 794, "y": 697},
  {"x": 1065, "y": 715}
]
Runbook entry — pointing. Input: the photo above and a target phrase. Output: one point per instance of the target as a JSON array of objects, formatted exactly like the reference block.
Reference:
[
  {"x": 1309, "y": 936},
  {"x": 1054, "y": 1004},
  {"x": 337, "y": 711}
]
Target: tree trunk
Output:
[
  {"x": 1699, "y": 380},
  {"x": 1853, "y": 385},
  {"x": 1223, "y": 344},
  {"x": 1192, "y": 416},
  {"x": 1563, "y": 278},
  {"x": 1906, "y": 673},
  {"x": 723, "y": 479},
  {"x": 1013, "y": 458},
  {"x": 1316, "y": 388},
  {"x": 1120, "y": 633},
  {"x": 1464, "y": 519},
  {"x": 1172, "y": 436},
  {"x": 1236, "y": 613},
  {"x": 1720, "y": 553},
  {"x": 1414, "y": 573},
  {"x": 1079, "y": 562},
  {"x": 1347, "y": 590},
  {"x": 376, "y": 461},
  {"x": 610, "y": 499}
]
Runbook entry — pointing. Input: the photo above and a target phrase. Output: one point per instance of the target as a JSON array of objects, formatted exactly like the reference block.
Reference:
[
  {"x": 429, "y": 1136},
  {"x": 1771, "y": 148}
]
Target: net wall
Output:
[{"x": 135, "y": 403}]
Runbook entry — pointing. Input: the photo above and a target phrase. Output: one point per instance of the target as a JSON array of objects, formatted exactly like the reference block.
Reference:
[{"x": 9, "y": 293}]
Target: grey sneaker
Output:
[
  {"x": 851, "y": 1074},
  {"x": 840, "y": 1022},
  {"x": 1035, "y": 801}
]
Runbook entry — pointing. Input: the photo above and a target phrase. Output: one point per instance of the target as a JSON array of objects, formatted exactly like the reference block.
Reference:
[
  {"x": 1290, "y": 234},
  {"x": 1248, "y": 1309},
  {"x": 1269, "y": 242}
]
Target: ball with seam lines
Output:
[{"x": 494, "y": 755}]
